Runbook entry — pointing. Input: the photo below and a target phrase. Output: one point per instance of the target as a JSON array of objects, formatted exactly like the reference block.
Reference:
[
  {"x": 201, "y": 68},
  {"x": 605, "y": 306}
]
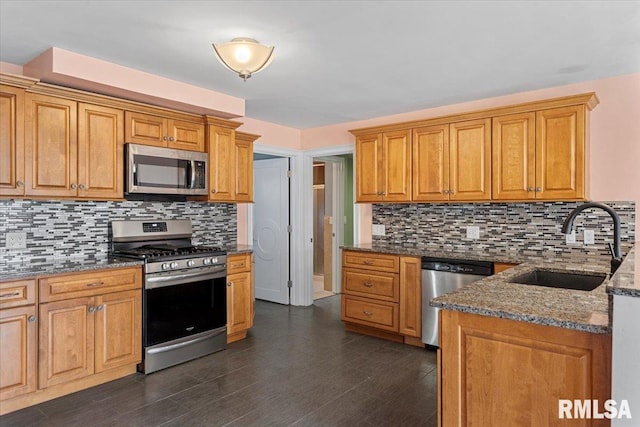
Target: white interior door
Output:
[{"x": 270, "y": 233}]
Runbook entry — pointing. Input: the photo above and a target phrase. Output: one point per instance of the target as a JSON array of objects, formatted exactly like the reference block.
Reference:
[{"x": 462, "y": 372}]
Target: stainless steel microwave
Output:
[{"x": 157, "y": 170}]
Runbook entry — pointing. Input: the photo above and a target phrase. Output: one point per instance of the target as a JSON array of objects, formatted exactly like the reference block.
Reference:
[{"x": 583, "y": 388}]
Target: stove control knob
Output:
[
  {"x": 214, "y": 260},
  {"x": 191, "y": 263},
  {"x": 206, "y": 261},
  {"x": 165, "y": 266},
  {"x": 174, "y": 265}
]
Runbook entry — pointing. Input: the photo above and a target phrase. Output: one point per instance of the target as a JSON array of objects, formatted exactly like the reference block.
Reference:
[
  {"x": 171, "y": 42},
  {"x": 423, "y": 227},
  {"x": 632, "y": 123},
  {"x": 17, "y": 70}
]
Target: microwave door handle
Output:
[{"x": 191, "y": 173}]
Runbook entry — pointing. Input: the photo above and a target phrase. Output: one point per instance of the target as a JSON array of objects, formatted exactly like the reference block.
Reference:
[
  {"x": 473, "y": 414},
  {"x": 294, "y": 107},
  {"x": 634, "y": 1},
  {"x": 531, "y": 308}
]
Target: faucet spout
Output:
[{"x": 616, "y": 251}]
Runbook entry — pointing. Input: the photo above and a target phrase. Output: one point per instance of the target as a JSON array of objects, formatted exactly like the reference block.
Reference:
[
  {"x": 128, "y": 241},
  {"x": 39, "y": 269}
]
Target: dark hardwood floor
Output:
[{"x": 297, "y": 367}]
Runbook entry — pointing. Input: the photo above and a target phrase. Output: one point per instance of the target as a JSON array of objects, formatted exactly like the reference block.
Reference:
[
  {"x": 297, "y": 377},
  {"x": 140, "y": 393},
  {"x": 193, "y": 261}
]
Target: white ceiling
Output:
[{"x": 339, "y": 61}]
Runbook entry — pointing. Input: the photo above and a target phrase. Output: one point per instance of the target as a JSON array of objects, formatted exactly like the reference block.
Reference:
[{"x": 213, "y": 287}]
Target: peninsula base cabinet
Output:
[
  {"x": 240, "y": 296},
  {"x": 382, "y": 296},
  {"x": 500, "y": 372},
  {"x": 86, "y": 329}
]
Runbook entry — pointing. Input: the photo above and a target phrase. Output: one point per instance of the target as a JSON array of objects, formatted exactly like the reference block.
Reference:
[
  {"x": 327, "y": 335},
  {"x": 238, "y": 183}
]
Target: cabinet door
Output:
[
  {"x": 186, "y": 135},
  {"x": 513, "y": 147},
  {"x": 396, "y": 160},
  {"x": 238, "y": 302},
  {"x": 50, "y": 146},
  {"x": 118, "y": 330},
  {"x": 18, "y": 335},
  {"x": 100, "y": 144},
  {"x": 430, "y": 163},
  {"x": 560, "y": 153},
  {"x": 369, "y": 168},
  {"x": 11, "y": 141},
  {"x": 470, "y": 160},
  {"x": 66, "y": 341},
  {"x": 244, "y": 171},
  {"x": 410, "y": 297},
  {"x": 221, "y": 164},
  {"x": 145, "y": 129}
]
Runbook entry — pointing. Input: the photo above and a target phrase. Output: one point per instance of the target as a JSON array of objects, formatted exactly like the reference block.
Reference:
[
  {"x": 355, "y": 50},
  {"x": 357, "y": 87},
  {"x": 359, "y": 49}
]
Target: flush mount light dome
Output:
[{"x": 244, "y": 56}]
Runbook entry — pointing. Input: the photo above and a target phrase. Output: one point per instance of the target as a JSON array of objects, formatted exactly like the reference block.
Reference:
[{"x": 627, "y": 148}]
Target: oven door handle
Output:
[
  {"x": 178, "y": 279},
  {"x": 186, "y": 343}
]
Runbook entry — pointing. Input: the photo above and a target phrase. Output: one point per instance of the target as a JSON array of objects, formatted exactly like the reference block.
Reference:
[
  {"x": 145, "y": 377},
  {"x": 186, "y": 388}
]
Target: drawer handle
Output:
[
  {"x": 367, "y": 262},
  {"x": 368, "y": 313},
  {"x": 92, "y": 285},
  {"x": 12, "y": 294},
  {"x": 237, "y": 265},
  {"x": 368, "y": 284}
]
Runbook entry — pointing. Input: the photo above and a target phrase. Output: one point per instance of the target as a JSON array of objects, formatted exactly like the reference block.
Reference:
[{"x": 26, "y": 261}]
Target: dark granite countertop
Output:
[
  {"x": 23, "y": 270},
  {"x": 565, "y": 308},
  {"x": 238, "y": 249},
  {"x": 626, "y": 281}
]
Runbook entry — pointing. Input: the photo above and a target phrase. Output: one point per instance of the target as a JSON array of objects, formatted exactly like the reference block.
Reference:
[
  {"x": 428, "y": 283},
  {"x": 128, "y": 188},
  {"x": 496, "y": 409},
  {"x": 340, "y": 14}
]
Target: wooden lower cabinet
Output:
[
  {"x": 88, "y": 333},
  {"x": 382, "y": 295},
  {"x": 240, "y": 305},
  {"x": 503, "y": 372},
  {"x": 18, "y": 362}
]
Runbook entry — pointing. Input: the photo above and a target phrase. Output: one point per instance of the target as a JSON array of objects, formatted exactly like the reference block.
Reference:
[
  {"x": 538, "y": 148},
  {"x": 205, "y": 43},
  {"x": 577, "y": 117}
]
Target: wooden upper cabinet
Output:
[
  {"x": 430, "y": 160},
  {"x": 149, "y": 129},
  {"x": 561, "y": 148},
  {"x": 11, "y": 141},
  {"x": 222, "y": 172},
  {"x": 470, "y": 160},
  {"x": 145, "y": 129},
  {"x": 244, "y": 167},
  {"x": 50, "y": 146},
  {"x": 368, "y": 168},
  {"x": 513, "y": 146},
  {"x": 100, "y": 146},
  {"x": 383, "y": 168},
  {"x": 185, "y": 135},
  {"x": 396, "y": 166}
]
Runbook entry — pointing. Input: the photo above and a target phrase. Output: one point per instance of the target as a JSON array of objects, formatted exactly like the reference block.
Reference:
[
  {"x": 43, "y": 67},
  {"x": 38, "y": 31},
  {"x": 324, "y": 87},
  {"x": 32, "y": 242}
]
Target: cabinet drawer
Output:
[
  {"x": 377, "y": 262},
  {"x": 378, "y": 314},
  {"x": 67, "y": 286},
  {"x": 238, "y": 263},
  {"x": 17, "y": 293},
  {"x": 383, "y": 286}
]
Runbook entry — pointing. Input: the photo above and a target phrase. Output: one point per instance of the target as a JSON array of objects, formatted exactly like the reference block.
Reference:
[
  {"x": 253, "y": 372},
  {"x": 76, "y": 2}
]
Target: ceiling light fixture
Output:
[{"x": 244, "y": 56}]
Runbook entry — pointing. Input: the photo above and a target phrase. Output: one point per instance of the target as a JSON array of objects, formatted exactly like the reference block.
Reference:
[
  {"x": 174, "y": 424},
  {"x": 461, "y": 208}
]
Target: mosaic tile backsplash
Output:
[
  {"x": 505, "y": 228},
  {"x": 62, "y": 229}
]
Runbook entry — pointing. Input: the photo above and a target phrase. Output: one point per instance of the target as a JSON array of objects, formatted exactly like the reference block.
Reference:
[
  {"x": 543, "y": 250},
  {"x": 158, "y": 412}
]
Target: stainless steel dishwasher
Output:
[{"x": 441, "y": 276}]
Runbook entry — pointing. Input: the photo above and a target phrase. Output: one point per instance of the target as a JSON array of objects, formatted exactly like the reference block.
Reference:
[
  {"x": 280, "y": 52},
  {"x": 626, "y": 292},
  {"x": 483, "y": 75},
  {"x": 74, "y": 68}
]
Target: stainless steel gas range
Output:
[{"x": 184, "y": 299}]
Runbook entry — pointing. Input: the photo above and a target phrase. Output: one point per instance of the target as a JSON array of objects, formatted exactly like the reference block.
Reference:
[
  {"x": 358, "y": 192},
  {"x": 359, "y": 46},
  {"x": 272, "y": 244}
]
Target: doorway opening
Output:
[{"x": 332, "y": 220}]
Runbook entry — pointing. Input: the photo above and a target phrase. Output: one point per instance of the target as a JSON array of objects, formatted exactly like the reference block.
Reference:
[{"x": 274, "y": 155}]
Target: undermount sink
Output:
[{"x": 552, "y": 279}]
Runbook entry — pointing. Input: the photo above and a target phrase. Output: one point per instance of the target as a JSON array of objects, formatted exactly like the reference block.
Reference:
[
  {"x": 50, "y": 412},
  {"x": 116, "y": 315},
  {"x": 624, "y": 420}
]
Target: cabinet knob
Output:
[
  {"x": 91, "y": 309},
  {"x": 20, "y": 184},
  {"x": 171, "y": 139},
  {"x": 213, "y": 191},
  {"x": 529, "y": 188},
  {"x": 229, "y": 284},
  {"x": 74, "y": 186},
  {"x": 82, "y": 187},
  {"x": 165, "y": 138},
  {"x": 538, "y": 189},
  {"x": 31, "y": 318},
  {"x": 100, "y": 307}
]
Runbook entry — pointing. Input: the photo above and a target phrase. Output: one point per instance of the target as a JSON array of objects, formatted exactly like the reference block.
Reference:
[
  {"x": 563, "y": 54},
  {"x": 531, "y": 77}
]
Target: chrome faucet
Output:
[{"x": 615, "y": 249}]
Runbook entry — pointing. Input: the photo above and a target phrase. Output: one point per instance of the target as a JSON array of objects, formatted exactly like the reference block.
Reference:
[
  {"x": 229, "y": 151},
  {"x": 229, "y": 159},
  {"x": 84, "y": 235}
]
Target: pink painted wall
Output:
[
  {"x": 9, "y": 68},
  {"x": 71, "y": 69},
  {"x": 272, "y": 135},
  {"x": 615, "y": 135}
]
